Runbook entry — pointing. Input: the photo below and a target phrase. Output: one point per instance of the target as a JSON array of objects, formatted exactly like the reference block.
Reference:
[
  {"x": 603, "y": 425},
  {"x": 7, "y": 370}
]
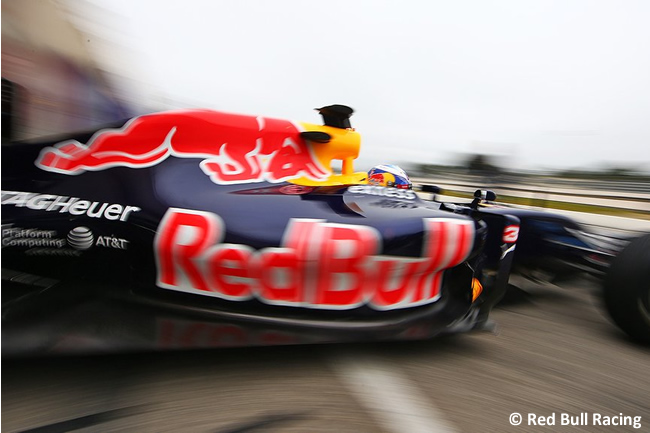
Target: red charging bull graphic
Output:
[
  {"x": 235, "y": 148},
  {"x": 381, "y": 179},
  {"x": 318, "y": 264}
]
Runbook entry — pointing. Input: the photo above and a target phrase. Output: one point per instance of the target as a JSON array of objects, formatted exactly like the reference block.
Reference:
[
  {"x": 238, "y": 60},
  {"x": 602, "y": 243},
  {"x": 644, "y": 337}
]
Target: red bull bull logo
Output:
[
  {"x": 233, "y": 148},
  {"x": 381, "y": 179}
]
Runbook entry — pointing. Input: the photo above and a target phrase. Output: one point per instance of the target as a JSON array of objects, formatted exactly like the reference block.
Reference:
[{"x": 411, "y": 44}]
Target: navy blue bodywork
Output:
[
  {"x": 549, "y": 244},
  {"x": 60, "y": 300}
]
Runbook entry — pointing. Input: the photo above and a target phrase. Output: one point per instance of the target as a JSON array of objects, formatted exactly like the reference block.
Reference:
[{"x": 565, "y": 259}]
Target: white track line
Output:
[{"x": 394, "y": 401}]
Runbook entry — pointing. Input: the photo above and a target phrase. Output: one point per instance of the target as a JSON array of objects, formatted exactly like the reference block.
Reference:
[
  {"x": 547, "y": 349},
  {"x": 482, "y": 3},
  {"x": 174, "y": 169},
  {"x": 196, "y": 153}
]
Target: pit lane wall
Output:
[{"x": 618, "y": 197}]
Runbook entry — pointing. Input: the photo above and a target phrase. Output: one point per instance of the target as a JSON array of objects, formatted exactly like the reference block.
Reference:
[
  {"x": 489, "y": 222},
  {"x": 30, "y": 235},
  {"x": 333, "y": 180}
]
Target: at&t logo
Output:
[{"x": 82, "y": 238}]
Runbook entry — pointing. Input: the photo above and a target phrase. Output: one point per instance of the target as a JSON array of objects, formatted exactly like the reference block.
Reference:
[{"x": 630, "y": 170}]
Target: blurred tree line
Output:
[{"x": 486, "y": 166}]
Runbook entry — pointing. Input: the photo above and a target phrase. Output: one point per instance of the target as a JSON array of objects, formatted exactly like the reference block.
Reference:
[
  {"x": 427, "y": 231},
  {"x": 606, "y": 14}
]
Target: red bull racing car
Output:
[{"x": 199, "y": 228}]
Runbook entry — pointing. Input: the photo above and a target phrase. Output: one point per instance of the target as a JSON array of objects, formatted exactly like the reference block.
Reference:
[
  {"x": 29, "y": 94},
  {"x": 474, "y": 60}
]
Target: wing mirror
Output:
[{"x": 483, "y": 195}]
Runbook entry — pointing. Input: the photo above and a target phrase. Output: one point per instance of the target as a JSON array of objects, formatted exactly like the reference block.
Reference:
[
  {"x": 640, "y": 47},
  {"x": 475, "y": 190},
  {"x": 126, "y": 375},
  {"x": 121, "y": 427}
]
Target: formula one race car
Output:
[{"x": 198, "y": 228}]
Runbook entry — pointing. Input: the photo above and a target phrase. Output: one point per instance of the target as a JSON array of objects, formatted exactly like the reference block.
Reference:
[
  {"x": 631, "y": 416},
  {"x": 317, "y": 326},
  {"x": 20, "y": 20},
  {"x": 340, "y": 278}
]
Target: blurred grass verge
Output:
[{"x": 558, "y": 205}]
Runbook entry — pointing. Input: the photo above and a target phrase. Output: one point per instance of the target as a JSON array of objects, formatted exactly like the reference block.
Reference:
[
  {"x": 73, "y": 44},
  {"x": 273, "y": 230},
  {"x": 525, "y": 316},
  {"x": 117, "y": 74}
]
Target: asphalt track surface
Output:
[{"x": 555, "y": 352}]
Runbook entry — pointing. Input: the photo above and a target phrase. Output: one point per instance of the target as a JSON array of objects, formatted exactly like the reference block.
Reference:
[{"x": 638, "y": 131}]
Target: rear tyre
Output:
[{"x": 627, "y": 290}]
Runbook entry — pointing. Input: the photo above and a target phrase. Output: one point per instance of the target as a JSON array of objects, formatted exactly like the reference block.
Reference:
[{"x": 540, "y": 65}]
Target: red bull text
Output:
[{"x": 318, "y": 264}]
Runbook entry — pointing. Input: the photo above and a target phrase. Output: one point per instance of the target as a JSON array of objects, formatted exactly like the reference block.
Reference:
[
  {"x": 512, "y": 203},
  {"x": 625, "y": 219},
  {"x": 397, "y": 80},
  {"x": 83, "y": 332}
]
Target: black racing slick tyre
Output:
[{"x": 627, "y": 289}]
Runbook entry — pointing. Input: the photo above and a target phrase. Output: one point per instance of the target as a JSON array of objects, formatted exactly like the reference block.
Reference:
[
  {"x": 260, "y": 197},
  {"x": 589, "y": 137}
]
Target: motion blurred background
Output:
[{"x": 544, "y": 86}]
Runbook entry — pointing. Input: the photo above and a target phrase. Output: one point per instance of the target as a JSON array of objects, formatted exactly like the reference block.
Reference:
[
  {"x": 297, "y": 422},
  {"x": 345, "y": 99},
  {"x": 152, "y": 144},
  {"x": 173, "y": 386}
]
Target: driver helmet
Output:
[{"x": 389, "y": 175}]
